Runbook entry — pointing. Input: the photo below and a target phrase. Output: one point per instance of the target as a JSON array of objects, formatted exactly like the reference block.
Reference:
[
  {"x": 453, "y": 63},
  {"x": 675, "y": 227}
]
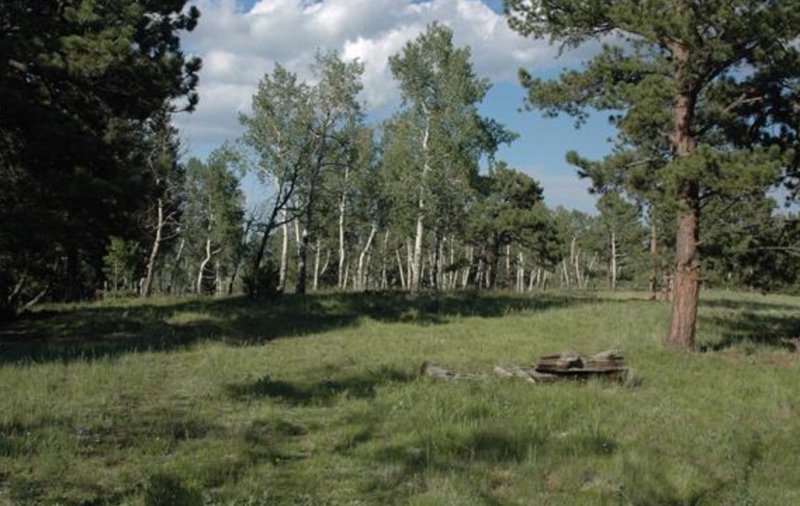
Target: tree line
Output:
[{"x": 100, "y": 200}]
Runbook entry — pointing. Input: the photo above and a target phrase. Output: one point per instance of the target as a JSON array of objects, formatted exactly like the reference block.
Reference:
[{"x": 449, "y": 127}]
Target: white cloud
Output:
[{"x": 239, "y": 45}]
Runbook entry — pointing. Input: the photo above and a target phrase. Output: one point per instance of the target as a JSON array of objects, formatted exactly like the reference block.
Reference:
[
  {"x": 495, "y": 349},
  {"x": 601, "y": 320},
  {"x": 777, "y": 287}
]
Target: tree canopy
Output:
[{"x": 79, "y": 80}]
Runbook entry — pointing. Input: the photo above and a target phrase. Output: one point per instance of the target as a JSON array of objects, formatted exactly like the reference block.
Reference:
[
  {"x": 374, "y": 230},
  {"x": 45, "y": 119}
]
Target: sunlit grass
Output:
[{"x": 318, "y": 401}]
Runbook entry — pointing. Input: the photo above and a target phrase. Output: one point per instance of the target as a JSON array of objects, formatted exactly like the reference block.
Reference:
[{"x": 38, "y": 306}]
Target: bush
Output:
[{"x": 264, "y": 283}]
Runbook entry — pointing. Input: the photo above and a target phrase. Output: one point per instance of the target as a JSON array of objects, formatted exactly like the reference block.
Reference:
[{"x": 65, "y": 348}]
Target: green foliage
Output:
[
  {"x": 509, "y": 210},
  {"x": 435, "y": 144},
  {"x": 620, "y": 222},
  {"x": 212, "y": 218},
  {"x": 122, "y": 263},
  {"x": 299, "y": 132},
  {"x": 78, "y": 83},
  {"x": 263, "y": 283}
]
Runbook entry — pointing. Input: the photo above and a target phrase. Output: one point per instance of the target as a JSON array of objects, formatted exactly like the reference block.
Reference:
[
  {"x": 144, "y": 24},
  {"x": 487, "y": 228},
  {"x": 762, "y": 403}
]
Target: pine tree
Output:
[{"x": 707, "y": 80}]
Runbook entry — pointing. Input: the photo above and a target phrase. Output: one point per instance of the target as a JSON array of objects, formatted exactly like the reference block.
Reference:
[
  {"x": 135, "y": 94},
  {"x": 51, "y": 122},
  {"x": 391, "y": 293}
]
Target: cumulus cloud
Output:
[{"x": 241, "y": 42}]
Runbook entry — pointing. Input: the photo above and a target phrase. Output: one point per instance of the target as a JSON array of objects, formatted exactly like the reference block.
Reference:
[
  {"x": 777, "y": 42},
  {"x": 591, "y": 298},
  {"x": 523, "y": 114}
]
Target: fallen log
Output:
[
  {"x": 548, "y": 369},
  {"x": 432, "y": 370},
  {"x": 576, "y": 366}
]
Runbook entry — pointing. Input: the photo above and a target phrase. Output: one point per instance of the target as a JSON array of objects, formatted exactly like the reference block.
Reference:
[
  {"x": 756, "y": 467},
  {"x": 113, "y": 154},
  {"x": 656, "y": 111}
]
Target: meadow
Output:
[{"x": 318, "y": 401}]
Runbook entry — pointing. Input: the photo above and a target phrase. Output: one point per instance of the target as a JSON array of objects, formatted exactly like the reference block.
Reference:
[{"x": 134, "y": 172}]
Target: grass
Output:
[{"x": 317, "y": 401}]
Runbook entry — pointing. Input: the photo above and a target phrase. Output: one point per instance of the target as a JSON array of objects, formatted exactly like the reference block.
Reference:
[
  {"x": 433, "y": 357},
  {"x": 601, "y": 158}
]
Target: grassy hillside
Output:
[{"x": 317, "y": 401}]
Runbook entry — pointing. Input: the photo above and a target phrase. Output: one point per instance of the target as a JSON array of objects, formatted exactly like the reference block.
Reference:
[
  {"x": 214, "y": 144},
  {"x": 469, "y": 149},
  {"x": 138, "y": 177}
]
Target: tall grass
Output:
[{"x": 317, "y": 401}]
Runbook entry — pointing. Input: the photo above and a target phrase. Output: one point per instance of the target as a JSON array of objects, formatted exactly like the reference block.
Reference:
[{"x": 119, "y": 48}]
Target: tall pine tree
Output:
[{"x": 707, "y": 78}]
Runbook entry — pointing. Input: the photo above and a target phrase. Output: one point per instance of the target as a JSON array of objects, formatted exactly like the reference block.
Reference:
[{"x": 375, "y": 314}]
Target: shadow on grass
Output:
[
  {"x": 486, "y": 447},
  {"x": 320, "y": 393},
  {"x": 111, "y": 328},
  {"x": 746, "y": 305},
  {"x": 752, "y": 328}
]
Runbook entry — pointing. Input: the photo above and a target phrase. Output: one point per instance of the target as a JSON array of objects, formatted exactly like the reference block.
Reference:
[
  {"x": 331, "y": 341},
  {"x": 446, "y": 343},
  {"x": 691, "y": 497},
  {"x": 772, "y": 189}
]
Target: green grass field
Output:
[{"x": 317, "y": 401}]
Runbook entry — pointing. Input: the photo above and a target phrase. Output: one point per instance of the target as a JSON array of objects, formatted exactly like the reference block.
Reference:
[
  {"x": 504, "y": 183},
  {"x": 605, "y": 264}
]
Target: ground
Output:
[{"x": 317, "y": 401}]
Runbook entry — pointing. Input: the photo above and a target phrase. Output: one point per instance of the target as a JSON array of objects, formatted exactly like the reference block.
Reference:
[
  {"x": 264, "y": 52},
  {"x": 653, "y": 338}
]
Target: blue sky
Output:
[{"x": 241, "y": 40}]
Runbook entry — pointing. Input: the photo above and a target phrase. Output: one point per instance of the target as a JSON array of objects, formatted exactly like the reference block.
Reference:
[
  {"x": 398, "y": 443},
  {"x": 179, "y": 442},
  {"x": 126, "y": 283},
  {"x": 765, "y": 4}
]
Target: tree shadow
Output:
[
  {"x": 111, "y": 328},
  {"x": 746, "y": 305},
  {"x": 319, "y": 393},
  {"x": 493, "y": 446},
  {"x": 749, "y": 327}
]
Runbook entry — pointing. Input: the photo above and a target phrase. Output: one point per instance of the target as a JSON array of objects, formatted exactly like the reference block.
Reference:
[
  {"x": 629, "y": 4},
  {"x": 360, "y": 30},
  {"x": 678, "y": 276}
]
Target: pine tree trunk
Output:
[
  {"x": 686, "y": 290},
  {"x": 687, "y": 255}
]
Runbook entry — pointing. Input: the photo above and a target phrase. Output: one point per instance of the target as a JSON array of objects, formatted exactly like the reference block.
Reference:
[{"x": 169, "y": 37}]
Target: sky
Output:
[{"x": 241, "y": 40}]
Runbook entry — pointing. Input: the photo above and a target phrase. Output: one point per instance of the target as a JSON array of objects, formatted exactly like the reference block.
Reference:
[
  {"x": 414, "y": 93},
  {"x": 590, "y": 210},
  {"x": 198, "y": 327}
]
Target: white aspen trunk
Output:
[
  {"x": 203, "y": 264},
  {"x": 217, "y": 277},
  {"x": 465, "y": 277},
  {"x": 565, "y": 273},
  {"x": 432, "y": 269},
  {"x": 508, "y": 264},
  {"x": 520, "y": 272},
  {"x": 342, "y": 211},
  {"x": 400, "y": 268},
  {"x": 151, "y": 261},
  {"x": 589, "y": 270},
  {"x": 574, "y": 256},
  {"x": 416, "y": 270},
  {"x": 409, "y": 264},
  {"x": 317, "y": 250},
  {"x": 479, "y": 273},
  {"x": 326, "y": 263},
  {"x": 360, "y": 275},
  {"x": 284, "y": 252},
  {"x": 175, "y": 267},
  {"x": 451, "y": 276},
  {"x": 416, "y": 259},
  {"x": 384, "y": 276}
]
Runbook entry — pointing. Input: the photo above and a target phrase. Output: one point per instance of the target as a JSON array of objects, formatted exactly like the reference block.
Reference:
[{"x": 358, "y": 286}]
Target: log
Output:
[
  {"x": 548, "y": 369},
  {"x": 576, "y": 366},
  {"x": 433, "y": 370}
]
